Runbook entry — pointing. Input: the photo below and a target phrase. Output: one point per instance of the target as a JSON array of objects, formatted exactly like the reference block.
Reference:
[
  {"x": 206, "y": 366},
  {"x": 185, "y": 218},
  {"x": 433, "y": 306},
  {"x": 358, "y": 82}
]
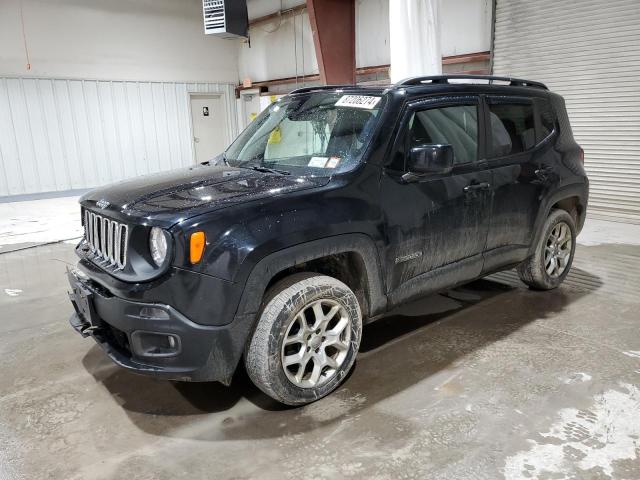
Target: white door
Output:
[
  {"x": 209, "y": 126},
  {"x": 589, "y": 52}
]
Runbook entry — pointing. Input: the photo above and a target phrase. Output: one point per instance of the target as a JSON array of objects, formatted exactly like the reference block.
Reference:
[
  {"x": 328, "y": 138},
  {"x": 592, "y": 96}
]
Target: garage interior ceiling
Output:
[{"x": 588, "y": 52}]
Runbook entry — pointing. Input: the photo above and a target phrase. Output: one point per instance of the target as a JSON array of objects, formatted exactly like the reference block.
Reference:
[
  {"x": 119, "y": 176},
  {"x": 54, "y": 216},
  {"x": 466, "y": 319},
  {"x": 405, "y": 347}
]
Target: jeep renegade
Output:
[{"x": 334, "y": 206}]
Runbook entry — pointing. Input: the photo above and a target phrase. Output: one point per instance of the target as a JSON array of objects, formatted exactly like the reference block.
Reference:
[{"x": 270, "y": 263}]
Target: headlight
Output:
[{"x": 158, "y": 245}]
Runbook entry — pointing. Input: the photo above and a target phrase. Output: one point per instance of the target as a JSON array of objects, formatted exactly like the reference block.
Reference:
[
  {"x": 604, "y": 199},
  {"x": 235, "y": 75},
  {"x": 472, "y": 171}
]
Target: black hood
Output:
[{"x": 168, "y": 197}]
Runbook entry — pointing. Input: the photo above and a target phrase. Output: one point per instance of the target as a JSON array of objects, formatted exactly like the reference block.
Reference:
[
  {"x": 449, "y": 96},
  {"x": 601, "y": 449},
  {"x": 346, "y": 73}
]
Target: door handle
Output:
[
  {"x": 545, "y": 174},
  {"x": 544, "y": 170},
  {"x": 476, "y": 186}
]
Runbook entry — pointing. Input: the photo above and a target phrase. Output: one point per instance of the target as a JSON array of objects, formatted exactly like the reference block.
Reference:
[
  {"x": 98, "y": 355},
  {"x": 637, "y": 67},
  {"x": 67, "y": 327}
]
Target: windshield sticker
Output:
[
  {"x": 318, "y": 162},
  {"x": 358, "y": 101},
  {"x": 275, "y": 136},
  {"x": 333, "y": 162}
]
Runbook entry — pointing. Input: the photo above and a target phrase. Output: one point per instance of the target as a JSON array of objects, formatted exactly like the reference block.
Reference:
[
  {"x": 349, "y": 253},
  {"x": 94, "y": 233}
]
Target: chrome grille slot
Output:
[{"x": 107, "y": 239}]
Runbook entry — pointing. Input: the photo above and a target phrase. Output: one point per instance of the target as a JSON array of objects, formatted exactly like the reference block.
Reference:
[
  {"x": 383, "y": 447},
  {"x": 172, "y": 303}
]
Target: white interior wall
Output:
[
  {"x": 277, "y": 47},
  {"x": 372, "y": 33},
  {"x": 107, "y": 96},
  {"x": 58, "y": 135},
  {"x": 260, "y": 8},
  {"x": 465, "y": 27},
  {"x": 159, "y": 40}
]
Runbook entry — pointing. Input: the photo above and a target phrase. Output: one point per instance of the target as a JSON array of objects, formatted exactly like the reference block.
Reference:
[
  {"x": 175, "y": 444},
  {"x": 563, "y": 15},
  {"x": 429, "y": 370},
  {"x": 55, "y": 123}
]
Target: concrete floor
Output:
[
  {"x": 35, "y": 222},
  {"x": 489, "y": 381}
]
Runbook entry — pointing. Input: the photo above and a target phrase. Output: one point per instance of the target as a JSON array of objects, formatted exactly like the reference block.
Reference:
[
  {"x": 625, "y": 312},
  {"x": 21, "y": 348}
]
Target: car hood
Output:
[{"x": 169, "y": 197}]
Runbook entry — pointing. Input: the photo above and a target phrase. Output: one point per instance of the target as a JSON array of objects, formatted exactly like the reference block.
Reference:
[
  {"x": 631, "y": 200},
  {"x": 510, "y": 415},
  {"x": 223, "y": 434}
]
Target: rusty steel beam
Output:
[
  {"x": 333, "y": 23},
  {"x": 466, "y": 58}
]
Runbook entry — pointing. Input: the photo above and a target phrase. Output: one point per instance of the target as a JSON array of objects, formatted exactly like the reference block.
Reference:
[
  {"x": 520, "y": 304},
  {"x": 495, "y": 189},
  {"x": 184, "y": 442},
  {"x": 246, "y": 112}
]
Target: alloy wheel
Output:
[
  {"x": 316, "y": 343},
  {"x": 557, "y": 250}
]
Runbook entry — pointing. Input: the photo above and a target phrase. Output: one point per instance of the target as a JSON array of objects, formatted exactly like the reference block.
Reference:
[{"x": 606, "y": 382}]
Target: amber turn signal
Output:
[{"x": 196, "y": 246}]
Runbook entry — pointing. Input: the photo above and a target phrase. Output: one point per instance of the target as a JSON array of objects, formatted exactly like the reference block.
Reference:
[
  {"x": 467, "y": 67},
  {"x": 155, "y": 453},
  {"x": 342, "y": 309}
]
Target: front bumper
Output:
[{"x": 154, "y": 338}]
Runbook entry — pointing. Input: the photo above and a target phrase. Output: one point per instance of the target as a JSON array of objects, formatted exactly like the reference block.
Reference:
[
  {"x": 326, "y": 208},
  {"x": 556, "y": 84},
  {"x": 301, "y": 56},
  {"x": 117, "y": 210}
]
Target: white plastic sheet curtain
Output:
[{"x": 414, "y": 38}]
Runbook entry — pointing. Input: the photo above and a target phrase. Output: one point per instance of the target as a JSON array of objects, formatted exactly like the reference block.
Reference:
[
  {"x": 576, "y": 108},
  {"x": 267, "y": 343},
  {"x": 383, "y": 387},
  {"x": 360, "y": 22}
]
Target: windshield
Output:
[{"x": 313, "y": 134}]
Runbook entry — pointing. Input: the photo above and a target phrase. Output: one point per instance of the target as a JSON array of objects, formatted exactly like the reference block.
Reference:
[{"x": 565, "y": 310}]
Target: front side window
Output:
[
  {"x": 313, "y": 134},
  {"x": 455, "y": 125},
  {"x": 512, "y": 128}
]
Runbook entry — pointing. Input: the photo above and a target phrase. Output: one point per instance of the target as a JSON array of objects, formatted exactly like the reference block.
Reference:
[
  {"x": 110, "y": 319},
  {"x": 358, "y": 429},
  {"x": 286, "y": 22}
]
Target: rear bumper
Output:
[{"x": 154, "y": 338}]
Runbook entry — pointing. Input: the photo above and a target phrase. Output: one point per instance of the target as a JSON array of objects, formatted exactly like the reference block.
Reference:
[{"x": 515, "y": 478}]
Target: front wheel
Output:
[
  {"x": 551, "y": 261},
  {"x": 306, "y": 338}
]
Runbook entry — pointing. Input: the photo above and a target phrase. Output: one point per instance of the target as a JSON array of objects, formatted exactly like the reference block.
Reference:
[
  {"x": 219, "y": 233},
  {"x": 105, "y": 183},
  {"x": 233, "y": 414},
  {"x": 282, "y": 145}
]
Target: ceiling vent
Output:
[{"x": 225, "y": 18}]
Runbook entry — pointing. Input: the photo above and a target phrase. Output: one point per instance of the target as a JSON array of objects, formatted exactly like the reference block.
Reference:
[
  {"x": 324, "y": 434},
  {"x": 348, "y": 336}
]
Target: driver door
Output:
[{"x": 437, "y": 223}]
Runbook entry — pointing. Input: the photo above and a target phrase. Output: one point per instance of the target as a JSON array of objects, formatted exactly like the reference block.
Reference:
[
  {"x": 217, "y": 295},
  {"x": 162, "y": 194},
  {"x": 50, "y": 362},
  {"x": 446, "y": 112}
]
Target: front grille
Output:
[{"x": 107, "y": 239}]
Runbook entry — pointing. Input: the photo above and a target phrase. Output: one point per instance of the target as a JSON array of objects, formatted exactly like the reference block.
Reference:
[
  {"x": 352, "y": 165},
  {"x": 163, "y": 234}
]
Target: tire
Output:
[
  {"x": 290, "y": 309},
  {"x": 539, "y": 271}
]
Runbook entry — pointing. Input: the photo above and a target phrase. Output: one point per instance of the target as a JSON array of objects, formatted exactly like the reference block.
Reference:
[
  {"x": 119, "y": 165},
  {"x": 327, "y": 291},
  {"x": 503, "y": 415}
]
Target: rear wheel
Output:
[
  {"x": 551, "y": 261},
  {"x": 306, "y": 339}
]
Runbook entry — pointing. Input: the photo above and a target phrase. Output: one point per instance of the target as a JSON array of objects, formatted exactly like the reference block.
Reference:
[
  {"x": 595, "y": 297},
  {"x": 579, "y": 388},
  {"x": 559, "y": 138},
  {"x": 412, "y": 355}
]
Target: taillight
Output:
[{"x": 582, "y": 156}]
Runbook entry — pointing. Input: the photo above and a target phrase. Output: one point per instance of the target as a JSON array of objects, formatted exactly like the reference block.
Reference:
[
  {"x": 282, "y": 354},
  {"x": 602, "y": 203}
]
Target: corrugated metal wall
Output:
[
  {"x": 589, "y": 52},
  {"x": 68, "y": 134}
]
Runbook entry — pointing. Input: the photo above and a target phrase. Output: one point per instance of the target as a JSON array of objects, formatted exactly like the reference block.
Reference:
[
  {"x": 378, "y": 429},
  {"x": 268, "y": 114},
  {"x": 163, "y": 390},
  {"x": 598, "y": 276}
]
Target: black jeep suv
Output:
[{"x": 335, "y": 205}]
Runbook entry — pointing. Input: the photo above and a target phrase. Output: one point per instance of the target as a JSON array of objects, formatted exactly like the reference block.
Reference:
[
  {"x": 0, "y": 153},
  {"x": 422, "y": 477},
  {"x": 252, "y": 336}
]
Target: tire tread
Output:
[
  {"x": 531, "y": 271},
  {"x": 259, "y": 362}
]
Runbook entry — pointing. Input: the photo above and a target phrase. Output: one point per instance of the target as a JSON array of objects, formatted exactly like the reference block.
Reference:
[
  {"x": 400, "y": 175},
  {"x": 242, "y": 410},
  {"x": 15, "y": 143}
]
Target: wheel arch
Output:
[
  {"x": 351, "y": 258},
  {"x": 572, "y": 198},
  {"x": 270, "y": 269},
  {"x": 573, "y": 206}
]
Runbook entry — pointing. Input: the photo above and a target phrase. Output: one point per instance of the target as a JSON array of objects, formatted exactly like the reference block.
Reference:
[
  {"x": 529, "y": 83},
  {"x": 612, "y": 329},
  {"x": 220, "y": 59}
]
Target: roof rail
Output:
[{"x": 516, "y": 82}]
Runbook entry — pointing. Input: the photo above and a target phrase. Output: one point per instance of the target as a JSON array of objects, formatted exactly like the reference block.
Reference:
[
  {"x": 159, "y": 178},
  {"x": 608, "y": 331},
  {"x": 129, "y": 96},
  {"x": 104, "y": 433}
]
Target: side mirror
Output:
[{"x": 429, "y": 159}]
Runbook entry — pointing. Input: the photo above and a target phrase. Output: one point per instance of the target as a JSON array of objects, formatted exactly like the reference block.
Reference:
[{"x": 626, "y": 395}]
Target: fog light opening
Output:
[{"x": 151, "y": 344}]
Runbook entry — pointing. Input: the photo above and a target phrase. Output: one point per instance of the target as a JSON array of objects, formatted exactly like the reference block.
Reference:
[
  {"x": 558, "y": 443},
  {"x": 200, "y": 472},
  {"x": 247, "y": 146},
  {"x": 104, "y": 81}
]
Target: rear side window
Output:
[
  {"x": 547, "y": 119},
  {"x": 456, "y": 126},
  {"x": 512, "y": 128}
]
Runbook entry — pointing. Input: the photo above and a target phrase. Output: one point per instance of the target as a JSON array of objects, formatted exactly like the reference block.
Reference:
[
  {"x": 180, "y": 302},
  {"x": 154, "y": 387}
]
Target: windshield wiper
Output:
[{"x": 260, "y": 168}]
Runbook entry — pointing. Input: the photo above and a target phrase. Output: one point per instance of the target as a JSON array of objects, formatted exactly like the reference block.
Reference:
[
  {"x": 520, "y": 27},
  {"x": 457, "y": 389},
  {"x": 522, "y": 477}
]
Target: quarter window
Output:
[
  {"x": 456, "y": 126},
  {"x": 512, "y": 128},
  {"x": 547, "y": 122}
]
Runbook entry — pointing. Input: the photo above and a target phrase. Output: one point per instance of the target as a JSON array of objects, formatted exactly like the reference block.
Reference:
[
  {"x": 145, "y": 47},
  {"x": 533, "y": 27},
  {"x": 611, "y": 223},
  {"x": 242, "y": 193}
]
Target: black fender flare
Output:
[
  {"x": 580, "y": 190},
  {"x": 276, "y": 262},
  {"x": 245, "y": 318}
]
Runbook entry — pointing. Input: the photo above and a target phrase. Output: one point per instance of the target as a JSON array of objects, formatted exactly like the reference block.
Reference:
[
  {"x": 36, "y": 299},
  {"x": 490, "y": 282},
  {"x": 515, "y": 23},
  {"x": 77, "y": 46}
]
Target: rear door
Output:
[
  {"x": 520, "y": 174},
  {"x": 440, "y": 221}
]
